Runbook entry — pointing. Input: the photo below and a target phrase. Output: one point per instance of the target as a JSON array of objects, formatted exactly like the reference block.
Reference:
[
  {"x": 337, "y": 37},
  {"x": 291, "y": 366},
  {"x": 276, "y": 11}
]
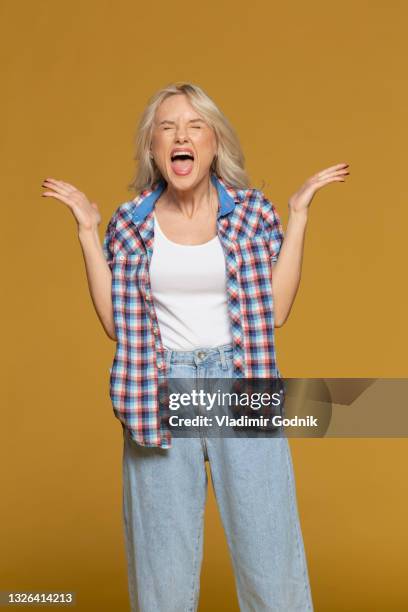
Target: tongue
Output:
[{"x": 182, "y": 166}]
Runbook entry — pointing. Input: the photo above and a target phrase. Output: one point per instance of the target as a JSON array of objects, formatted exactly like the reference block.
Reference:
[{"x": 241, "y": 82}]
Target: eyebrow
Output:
[{"x": 173, "y": 122}]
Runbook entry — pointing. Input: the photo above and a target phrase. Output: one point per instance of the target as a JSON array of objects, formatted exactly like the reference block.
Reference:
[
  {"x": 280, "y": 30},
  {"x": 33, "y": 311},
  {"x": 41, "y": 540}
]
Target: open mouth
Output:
[{"x": 182, "y": 162}]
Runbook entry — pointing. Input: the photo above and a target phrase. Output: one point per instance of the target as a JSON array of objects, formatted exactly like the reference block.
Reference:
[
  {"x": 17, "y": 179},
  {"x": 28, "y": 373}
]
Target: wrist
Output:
[
  {"x": 87, "y": 233},
  {"x": 298, "y": 214}
]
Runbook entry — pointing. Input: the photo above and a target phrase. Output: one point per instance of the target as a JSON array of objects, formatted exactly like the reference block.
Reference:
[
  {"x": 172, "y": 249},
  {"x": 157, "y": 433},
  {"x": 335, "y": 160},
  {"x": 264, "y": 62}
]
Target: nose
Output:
[{"x": 180, "y": 133}]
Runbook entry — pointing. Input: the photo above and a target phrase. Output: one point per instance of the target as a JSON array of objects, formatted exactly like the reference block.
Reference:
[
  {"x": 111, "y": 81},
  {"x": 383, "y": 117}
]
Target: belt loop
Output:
[
  {"x": 223, "y": 360},
  {"x": 168, "y": 358}
]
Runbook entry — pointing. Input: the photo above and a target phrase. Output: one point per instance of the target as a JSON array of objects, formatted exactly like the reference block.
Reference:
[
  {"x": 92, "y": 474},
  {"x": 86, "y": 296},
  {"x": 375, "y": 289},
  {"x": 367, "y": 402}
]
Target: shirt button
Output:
[
  {"x": 155, "y": 330},
  {"x": 160, "y": 365},
  {"x": 148, "y": 298}
]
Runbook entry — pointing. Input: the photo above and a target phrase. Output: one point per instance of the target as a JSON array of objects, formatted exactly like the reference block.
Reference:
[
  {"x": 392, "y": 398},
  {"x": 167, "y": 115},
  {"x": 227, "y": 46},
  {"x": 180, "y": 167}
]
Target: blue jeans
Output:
[{"x": 164, "y": 494}]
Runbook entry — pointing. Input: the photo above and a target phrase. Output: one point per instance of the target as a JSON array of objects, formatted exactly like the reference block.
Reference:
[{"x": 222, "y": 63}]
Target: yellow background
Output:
[{"x": 307, "y": 85}]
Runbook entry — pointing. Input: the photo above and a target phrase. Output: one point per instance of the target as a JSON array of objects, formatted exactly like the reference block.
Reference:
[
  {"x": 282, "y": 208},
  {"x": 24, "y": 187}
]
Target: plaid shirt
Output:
[{"x": 251, "y": 235}]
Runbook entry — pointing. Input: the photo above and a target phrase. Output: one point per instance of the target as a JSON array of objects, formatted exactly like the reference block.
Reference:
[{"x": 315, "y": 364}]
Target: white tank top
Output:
[{"x": 189, "y": 291}]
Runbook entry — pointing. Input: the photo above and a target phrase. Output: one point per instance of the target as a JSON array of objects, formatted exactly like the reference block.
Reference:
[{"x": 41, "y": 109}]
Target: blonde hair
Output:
[{"x": 228, "y": 164}]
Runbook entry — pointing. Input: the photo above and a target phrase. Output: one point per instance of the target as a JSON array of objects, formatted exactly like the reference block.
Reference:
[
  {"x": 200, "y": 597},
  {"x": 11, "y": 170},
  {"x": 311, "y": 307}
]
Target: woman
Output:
[{"x": 192, "y": 277}]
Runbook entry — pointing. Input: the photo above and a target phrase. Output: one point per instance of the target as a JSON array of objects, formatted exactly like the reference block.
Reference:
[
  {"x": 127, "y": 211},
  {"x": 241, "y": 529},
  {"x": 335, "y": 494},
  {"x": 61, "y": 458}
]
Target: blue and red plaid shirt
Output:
[{"x": 251, "y": 234}]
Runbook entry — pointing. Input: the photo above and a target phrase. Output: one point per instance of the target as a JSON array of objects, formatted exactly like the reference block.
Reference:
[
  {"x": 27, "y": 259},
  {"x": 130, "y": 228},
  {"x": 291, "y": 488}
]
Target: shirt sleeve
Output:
[
  {"x": 109, "y": 238},
  {"x": 273, "y": 227}
]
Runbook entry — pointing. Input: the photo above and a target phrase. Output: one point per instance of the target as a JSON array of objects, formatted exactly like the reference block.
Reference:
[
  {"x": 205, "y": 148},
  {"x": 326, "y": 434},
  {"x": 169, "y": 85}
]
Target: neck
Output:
[{"x": 203, "y": 196}]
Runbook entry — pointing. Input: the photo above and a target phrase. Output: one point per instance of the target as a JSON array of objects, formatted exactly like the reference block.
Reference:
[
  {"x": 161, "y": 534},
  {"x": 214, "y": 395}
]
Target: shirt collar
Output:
[{"x": 228, "y": 196}]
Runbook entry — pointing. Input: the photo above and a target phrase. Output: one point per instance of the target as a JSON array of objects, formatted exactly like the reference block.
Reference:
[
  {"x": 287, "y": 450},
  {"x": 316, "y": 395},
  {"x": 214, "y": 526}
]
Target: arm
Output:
[
  {"x": 99, "y": 277},
  {"x": 97, "y": 267},
  {"x": 286, "y": 269}
]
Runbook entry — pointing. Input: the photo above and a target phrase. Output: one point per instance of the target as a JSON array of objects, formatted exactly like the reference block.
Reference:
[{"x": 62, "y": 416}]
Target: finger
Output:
[
  {"x": 343, "y": 171},
  {"x": 324, "y": 175},
  {"x": 335, "y": 167},
  {"x": 58, "y": 196},
  {"x": 52, "y": 182},
  {"x": 58, "y": 188},
  {"x": 332, "y": 179},
  {"x": 332, "y": 169},
  {"x": 68, "y": 186}
]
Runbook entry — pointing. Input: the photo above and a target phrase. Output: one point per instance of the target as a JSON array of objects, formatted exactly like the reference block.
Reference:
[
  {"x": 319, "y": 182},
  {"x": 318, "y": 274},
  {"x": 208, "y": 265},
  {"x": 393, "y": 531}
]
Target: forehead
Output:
[{"x": 175, "y": 106}]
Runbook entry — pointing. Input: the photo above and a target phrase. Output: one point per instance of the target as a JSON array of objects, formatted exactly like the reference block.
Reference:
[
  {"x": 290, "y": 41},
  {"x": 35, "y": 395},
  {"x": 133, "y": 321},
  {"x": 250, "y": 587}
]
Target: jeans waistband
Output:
[{"x": 199, "y": 355}]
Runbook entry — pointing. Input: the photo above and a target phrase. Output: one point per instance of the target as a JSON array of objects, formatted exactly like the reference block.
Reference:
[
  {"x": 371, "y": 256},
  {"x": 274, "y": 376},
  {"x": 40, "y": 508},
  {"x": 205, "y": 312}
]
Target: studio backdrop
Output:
[{"x": 306, "y": 85}]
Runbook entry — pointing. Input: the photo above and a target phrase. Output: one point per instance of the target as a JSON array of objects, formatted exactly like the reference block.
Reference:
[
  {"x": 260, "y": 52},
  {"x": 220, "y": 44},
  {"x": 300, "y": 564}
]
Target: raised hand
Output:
[
  {"x": 86, "y": 213},
  {"x": 301, "y": 200}
]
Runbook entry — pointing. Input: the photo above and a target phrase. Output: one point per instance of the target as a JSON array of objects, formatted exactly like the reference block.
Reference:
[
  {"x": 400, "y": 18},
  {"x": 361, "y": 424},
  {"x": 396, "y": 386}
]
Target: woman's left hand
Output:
[{"x": 300, "y": 201}]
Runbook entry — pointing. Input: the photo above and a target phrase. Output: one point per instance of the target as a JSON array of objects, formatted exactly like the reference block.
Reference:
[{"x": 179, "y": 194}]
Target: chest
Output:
[
  {"x": 186, "y": 269},
  {"x": 198, "y": 230},
  {"x": 244, "y": 245}
]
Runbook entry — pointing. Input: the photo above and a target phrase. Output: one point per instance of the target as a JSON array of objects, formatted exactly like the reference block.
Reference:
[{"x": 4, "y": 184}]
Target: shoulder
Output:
[
  {"x": 259, "y": 213},
  {"x": 121, "y": 216},
  {"x": 254, "y": 201}
]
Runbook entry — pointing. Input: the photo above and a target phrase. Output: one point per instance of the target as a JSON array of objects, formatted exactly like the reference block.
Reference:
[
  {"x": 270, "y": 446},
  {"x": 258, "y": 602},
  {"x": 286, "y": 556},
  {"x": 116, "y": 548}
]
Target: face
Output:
[{"x": 178, "y": 126}]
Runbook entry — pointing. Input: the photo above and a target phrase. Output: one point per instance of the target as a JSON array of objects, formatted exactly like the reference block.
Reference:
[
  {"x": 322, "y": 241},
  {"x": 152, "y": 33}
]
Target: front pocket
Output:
[
  {"x": 126, "y": 266},
  {"x": 123, "y": 258}
]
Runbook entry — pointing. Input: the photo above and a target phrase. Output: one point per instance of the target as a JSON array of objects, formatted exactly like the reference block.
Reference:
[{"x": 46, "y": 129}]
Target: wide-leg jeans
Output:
[{"x": 164, "y": 495}]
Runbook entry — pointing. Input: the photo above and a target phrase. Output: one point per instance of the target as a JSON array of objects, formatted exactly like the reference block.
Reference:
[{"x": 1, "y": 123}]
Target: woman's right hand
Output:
[{"x": 86, "y": 213}]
